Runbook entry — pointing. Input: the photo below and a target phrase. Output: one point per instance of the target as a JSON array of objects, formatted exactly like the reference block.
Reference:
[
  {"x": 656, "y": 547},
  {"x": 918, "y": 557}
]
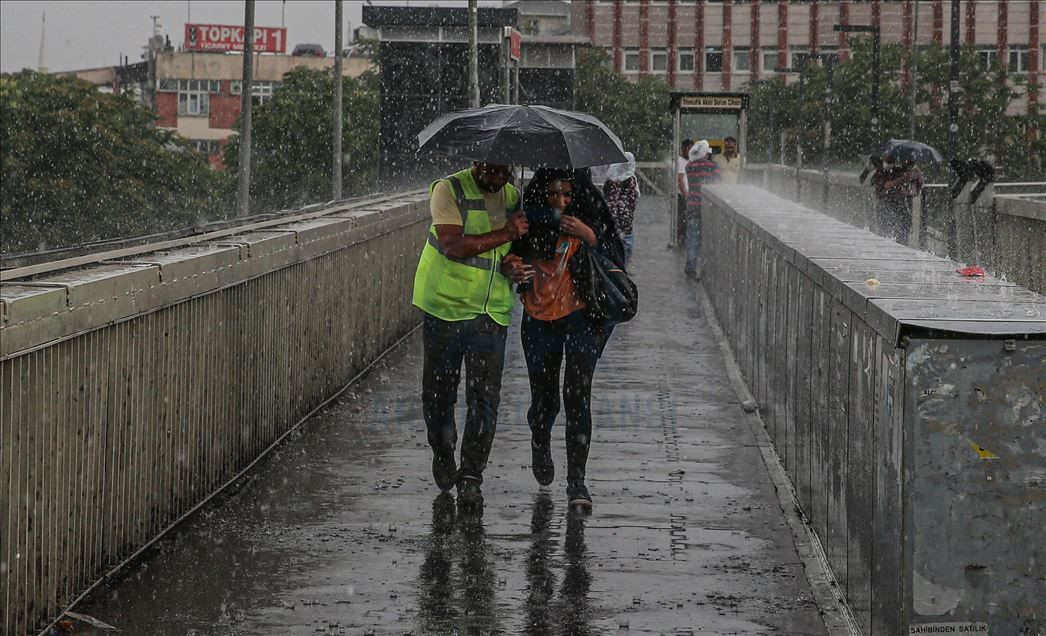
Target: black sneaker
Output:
[
  {"x": 578, "y": 497},
  {"x": 469, "y": 492},
  {"x": 444, "y": 469},
  {"x": 541, "y": 463}
]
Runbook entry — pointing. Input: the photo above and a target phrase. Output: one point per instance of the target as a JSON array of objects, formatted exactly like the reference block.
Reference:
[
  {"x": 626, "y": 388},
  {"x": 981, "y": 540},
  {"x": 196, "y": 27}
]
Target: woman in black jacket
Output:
[{"x": 567, "y": 215}]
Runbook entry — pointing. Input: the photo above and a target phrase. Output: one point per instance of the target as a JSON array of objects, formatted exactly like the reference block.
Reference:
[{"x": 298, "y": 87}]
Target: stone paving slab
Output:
[{"x": 341, "y": 530}]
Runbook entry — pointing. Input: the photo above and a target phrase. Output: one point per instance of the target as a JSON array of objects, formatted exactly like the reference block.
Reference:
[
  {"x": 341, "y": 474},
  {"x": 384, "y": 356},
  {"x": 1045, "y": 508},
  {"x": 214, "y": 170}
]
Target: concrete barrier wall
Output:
[
  {"x": 905, "y": 404},
  {"x": 132, "y": 389},
  {"x": 1001, "y": 231}
]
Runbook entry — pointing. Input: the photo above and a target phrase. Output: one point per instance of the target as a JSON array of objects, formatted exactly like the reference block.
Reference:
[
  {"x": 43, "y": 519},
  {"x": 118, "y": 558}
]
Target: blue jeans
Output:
[
  {"x": 630, "y": 242},
  {"x": 693, "y": 241}
]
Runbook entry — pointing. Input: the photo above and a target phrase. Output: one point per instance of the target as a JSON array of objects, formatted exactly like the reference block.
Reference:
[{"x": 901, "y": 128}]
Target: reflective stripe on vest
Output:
[{"x": 461, "y": 289}]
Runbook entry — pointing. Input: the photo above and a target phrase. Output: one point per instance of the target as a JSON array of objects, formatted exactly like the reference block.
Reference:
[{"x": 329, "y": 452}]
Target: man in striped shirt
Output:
[{"x": 699, "y": 171}]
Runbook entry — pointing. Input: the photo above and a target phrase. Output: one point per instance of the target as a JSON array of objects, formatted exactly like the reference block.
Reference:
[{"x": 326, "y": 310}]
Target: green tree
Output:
[
  {"x": 292, "y": 140},
  {"x": 986, "y": 128},
  {"x": 79, "y": 166},
  {"x": 637, "y": 112}
]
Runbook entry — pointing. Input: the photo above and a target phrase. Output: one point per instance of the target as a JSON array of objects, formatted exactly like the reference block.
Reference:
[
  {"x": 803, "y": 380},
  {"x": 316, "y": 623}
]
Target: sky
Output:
[{"x": 91, "y": 34}]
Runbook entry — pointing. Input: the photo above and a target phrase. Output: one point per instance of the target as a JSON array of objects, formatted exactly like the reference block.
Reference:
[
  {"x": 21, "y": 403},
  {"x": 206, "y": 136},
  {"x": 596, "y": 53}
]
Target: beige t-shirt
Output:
[
  {"x": 444, "y": 207},
  {"x": 729, "y": 169}
]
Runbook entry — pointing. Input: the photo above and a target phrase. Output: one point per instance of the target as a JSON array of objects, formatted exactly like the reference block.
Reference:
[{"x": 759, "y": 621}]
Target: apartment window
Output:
[
  {"x": 205, "y": 146},
  {"x": 828, "y": 55},
  {"x": 686, "y": 60},
  {"x": 742, "y": 61},
  {"x": 987, "y": 57},
  {"x": 658, "y": 60},
  {"x": 261, "y": 91},
  {"x": 798, "y": 58},
  {"x": 194, "y": 96},
  {"x": 713, "y": 60},
  {"x": 1019, "y": 60},
  {"x": 769, "y": 59},
  {"x": 631, "y": 60}
]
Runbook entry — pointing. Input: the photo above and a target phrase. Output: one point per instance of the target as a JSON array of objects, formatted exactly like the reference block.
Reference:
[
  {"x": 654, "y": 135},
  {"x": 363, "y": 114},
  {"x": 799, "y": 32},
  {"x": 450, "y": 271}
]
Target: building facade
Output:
[
  {"x": 720, "y": 45},
  {"x": 198, "y": 94}
]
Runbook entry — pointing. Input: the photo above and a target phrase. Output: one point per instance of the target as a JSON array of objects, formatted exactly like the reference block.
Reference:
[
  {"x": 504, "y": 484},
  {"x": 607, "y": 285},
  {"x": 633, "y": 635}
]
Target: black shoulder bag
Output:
[{"x": 610, "y": 294}]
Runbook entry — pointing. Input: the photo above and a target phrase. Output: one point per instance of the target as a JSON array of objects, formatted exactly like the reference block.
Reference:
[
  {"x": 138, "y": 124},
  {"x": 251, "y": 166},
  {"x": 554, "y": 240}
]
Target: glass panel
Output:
[
  {"x": 686, "y": 60},
  {"x": 769, "y": 59},
  {"x": 713, "y": 60},
  {"x": 659, "y": 61},
  {"x": 183, "y": 100},
  {"x": 631, "y": 60},
  {"x": 742, "y": 61}
]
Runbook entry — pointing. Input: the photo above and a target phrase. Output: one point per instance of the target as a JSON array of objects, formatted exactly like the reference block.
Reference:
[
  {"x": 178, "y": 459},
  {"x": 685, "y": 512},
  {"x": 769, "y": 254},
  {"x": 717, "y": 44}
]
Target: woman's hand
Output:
[
  {"x": 573, "y": 226},
  {"x": 515, "y": 269}
]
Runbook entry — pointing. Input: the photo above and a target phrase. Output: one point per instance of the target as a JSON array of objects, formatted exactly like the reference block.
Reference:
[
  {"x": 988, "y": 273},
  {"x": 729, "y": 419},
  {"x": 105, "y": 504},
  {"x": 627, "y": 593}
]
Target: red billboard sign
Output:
[
  {"x": 225, "y": 37},
  {"x": 517, "y": 45}
]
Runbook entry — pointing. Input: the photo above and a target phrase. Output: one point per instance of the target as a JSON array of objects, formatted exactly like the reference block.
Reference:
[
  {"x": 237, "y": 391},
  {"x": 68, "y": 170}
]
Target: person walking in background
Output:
[
  {"x": 728, "y": 161},
  {"x": 683, "y": 188},
  {"x": 621, "y": 191},
  {"x": 567, "y": 214},
  {"x": 894, "y": 186},
  {"x": 700, "y": 170},
  {"x": 463, "y": 286},
  {"x": 900, "y": 187}
]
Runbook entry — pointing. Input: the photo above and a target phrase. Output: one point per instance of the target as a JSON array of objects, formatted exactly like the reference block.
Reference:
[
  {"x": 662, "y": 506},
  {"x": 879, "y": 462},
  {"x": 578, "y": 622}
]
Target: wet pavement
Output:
[{"x": 341, "y": 530}]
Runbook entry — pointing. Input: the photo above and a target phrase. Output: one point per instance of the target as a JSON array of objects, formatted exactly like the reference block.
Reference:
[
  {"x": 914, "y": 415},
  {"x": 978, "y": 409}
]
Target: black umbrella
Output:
[
  {"x": 535, "y": 136},
  {"x": 906, "y": 149}
]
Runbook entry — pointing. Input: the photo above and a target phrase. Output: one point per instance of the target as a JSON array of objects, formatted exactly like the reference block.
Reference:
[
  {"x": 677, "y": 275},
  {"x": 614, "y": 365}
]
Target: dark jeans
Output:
[
  {"x": 681, "y": 219},
  {"x": 895, "y": 218},
  {"x": 480, "y": 343},
  {"x": 544, "y": 343}
]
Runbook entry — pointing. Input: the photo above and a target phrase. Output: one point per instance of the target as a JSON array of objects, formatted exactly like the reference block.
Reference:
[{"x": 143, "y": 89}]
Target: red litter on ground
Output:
[{"x": 973, "y": 270}]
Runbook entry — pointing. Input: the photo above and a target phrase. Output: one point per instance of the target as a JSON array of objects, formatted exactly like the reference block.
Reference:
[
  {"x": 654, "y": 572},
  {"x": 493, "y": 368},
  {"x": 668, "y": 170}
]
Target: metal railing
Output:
[{"x": 136, "y": 382}]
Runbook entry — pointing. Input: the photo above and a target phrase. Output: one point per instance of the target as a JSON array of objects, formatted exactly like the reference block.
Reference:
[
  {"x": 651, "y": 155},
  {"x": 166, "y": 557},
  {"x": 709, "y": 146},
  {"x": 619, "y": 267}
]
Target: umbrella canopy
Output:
[
  {"x": 534, "y": 136},
  {"x": 906, "y": 149}
]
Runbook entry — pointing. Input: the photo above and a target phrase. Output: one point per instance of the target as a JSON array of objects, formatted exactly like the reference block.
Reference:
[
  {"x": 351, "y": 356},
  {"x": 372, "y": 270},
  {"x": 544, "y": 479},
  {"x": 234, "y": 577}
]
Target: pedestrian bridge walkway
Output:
[{"x": 135, "y": 388}]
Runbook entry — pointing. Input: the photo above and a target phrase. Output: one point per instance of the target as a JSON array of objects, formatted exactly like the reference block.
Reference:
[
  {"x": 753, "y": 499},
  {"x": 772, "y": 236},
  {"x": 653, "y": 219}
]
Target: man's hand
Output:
[
  {"x": 516, "y": 270},
  {"x": 516, "y": 226}
]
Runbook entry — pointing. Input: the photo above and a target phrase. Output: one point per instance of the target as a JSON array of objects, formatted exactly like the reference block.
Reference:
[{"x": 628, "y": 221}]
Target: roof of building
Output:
[
  {"x": 382, "y": 16},
  {"x": 541, "y": 7}
]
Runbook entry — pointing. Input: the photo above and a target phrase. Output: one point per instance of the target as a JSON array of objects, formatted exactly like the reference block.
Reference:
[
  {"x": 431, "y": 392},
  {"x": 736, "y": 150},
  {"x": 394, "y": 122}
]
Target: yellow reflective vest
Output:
[{"x": 461, "y": 289}]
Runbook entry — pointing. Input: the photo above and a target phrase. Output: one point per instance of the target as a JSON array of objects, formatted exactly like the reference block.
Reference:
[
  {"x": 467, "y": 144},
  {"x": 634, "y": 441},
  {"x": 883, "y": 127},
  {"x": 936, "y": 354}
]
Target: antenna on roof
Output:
[{"x": 43, "y": 39}]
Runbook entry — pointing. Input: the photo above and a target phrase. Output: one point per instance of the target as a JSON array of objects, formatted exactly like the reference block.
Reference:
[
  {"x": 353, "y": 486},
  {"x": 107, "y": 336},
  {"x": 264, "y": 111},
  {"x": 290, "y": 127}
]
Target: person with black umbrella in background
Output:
[
  {"x": 463, "y": 286},
  {"x": 566, "y": 214}
]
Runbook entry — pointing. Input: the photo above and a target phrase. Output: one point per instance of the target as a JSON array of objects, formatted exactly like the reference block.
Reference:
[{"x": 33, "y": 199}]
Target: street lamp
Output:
[{"x": 874, "y": 30}]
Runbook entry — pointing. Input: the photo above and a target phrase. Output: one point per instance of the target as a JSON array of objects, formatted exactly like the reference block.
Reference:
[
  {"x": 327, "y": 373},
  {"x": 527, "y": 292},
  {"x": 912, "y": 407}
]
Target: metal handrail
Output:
[{"x": 97, "y": 257}]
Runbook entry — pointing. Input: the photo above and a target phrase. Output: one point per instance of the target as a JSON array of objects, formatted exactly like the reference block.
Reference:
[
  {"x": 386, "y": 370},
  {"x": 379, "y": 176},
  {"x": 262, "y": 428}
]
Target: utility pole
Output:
[
  {"x": 953, "y": 83},
  {"x": 506, "y": 61},
  {"x": 243, "y": 195},
  {"x": 829, "y": 99},
  {"x": 913, "y": 65},
  {"x": 473, "y": 54},
  {"x": 336, "y": 185}
]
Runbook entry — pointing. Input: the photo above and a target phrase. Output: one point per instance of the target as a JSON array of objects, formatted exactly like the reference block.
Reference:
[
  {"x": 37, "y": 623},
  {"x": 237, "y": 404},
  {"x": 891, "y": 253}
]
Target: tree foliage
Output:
[
  {"x": 292, "y": 140},
  {"x": 637, "y": 112},
  {"x": 986, "y": 130},
  {"x": 79, "y": 166}
]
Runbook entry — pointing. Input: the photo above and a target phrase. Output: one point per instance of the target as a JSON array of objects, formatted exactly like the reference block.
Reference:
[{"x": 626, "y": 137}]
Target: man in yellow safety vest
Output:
[{"x": 464, "y": 286}]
